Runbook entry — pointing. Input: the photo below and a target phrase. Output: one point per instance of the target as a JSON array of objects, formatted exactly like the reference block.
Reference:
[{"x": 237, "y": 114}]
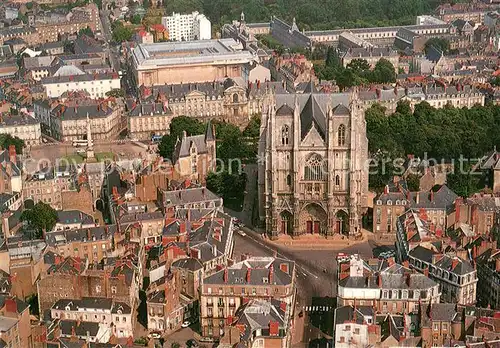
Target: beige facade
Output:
[
  {"x": 188, "y": 62},
  {"x": 24, "y": 127},
  {"x": 313, "y": 179},
  {"x": 149, "y": 119}
]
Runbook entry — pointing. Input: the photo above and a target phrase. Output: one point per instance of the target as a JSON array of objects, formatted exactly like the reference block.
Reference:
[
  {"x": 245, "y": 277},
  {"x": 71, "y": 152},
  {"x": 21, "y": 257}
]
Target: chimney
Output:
[
  {"x": 417, "y": 197},
  {"x": 225, "y": 275},
  {"x": 273, "y": 328},
  {"x": 184, "y": 134},
  {"x": 284, "y": 267},
  {"x": 249, "y": 270},
  {"x": 386, "y": 189},
  {"x": 497, "y": 265},
  {"x": 379, "y": 281},
  {"x": 426, "y": 272},
  {"x": 12, "y": 154},
  {"x": 454, "y": 263},
  {"x": 406, "y": 264},
  {"x": 10, "y": 305},
  {"x": 432, "y": 196},
  {"x": 271, "y": 275},
  {"x": 408, "y": 279}
]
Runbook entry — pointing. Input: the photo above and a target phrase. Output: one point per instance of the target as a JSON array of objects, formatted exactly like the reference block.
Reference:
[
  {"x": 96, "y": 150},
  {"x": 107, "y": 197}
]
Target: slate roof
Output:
[
  {"x": 79, "y": 78},
  {"x": 346, "y": 313},
  {"x": 150, "y": 109},
  {"x": 462, "y": 267},
  {"x": 422, "y": 253},
  {"x": 80, "y": 112},
  {"x": 74, "y": 216},
  {"x": 259, "y": 269},
  {"x": 257, "y": 314},
  {"x": 92, "y": 303},
  {"x": 191, "y": 264},
  {"x": 80, "y": 234},
  {"x": 21, "y": 306},
  {"x": 81, "y": 328},
  {"x": 312, "y": 114},
  {"x": 191, "y": 195}
]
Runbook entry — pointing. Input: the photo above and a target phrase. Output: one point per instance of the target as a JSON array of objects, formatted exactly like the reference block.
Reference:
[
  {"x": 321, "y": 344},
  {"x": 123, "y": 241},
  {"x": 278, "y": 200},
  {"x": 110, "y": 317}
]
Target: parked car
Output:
[
  {"x": 241, "y": 233},
  {"x": 155, "y": 335},
  {"x": 186, "y": 323},
  {"x": 191, "y": 343}
]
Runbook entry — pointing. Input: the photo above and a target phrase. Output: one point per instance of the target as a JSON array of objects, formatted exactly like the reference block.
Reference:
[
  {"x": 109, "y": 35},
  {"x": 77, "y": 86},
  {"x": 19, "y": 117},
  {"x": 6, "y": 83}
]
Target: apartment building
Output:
[
  {"x": 118, "y": 316},
  {"x": 149, "y": 119},
  {"x": 292, "y": 70},
  {"x": 372, "y": 55},
  {"x": 117, "y": 280},
  {"x": 222, "y": 100},
  {"x": 487, "y": 257},
  {"x": 47, "y": 185},
  {"x": 426, "y": 251},
  {"x": 91, "y": 243},
  {"x": 96, "y": 85},
  {"x": 396, "y": 198},
  {"x": 10, "y": 176},
  {"x": 22, "y": 126},
  {"x": 68, "y": 121},
  {"x": 225, "y": 291},
  {"x": 187, "y": 27},
  {"x": 384, "y": 285}
]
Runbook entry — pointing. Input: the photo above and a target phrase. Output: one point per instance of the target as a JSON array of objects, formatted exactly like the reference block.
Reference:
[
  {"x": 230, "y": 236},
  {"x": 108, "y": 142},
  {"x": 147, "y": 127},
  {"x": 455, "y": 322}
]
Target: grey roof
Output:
[
  {"x": 421, "y": 253},
  {"x": 5, "y": 158},
  {"x": 347, "y": 313},
  {"x": 434, "y": 54},
  {"x": 288, "y": 35},
  {"x": 380, "y": 52},
  {"x": 191, "y": 195},
  {"x": 188, "y": 52},
  {"x": 444, "y": 312},
  {"x": 312, "y": 114},
  {"x": 190, "y": 264},
  {"x": 86, "y": 44},
  {"x": 256, "y": 271},
  {"x": 183, "y": 146},
  {"x": 80, "y": 234},
  {"x": 79, "y": 78},
  {"x": 257, "y": 314},
  {"x": 17, "y": 120},
  {"x": 7, "y": 323},
  {"x": 443, "y": 198},
  {"x": 81, "y": 328},
  {"x": 80, "y": 112},
  {"x": 74, "y": 216},
  {"x": 462, "y": 266},
  {"x": 145, "y": 109}
]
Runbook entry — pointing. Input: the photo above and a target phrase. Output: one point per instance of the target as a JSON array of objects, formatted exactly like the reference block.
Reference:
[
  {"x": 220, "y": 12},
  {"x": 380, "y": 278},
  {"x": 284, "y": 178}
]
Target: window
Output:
[
  {"x": 341, "y": 135},
  {"x": 436, "y": 327},
  {"x": 285, "y": 133},
  {"x": 315, "y": 168},
  {"x": 113, "y": 289},
  {"x": 337, "y": 180},
  {"x": 356, "y": 331}
]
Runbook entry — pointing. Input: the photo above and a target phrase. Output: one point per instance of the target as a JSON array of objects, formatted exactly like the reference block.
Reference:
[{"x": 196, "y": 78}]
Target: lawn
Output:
[{"x": 100, "y": 157}]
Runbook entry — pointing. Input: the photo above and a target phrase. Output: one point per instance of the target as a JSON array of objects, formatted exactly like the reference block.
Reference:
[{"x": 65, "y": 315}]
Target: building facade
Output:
[
  {"x": 313, "y": 178},
  {"x": 24, "y": 127},
  {"x": 187, "y": 27}
]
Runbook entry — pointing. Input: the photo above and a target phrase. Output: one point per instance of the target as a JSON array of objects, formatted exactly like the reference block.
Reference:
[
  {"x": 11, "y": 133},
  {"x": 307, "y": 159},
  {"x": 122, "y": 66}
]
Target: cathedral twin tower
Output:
[{"x": 313, "y": 155}]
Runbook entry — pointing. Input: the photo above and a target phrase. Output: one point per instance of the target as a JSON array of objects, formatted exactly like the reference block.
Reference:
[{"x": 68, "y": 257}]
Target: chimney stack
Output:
[{"x": 249, "y": 270}]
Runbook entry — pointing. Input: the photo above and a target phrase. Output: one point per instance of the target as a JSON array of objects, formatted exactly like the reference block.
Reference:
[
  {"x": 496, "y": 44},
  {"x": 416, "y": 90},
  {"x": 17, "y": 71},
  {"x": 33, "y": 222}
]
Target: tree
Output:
[
  {"x": 178, "y": 126},
  {"x": 383, "y": 72},
  {"x": 231, "y": 187},
  {"x": 252, "y": 130},
  {"x": 117, "y": 93},
  {"x": 86, "y": 31},
  {"x": 42, "y": 218},
  {"x": 175, "y": 345},
  {"x": 358, "y": 66},
  {"x": 6, "y": 140},
  {"x": 413, "y": 182},
  {"x": 146, "y": 4},
  {"x": 121, "y": 33},
  {"x": 332, "y": 58},
  {"x": 136, "y": 19}
]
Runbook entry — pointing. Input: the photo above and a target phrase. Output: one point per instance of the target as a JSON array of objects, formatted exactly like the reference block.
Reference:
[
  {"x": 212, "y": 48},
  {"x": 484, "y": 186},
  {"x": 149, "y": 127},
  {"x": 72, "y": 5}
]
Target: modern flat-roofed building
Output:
[
  {"x": 188, "y": 62},
  {"x": 188, "y": 27}
]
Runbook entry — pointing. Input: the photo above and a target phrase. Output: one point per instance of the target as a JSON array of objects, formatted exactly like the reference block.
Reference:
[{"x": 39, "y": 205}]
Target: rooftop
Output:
[{"x": 189, "y": 52}]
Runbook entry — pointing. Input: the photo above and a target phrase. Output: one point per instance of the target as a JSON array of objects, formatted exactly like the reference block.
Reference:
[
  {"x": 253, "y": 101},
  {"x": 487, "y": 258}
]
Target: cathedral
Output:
[{"x": 313, "y": 174}]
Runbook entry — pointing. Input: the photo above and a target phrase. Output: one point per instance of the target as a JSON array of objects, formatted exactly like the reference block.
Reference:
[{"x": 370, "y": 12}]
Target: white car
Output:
[
  {"x": 186, "y": 324},
  {"x": 154, "y": 335},
  {"x": 241, "y": 233}
]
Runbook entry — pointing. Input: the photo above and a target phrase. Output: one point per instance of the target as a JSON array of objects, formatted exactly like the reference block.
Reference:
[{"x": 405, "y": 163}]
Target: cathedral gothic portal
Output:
[{"x": 313, "y": 151}]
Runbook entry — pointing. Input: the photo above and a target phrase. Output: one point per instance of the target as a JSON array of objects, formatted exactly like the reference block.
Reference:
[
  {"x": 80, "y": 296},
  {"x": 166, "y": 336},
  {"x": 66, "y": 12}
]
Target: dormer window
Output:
[
  {"x": 398, "y": 202},
  {"x": 389, "y": 202},
  {"x": 379, "y": 202}
]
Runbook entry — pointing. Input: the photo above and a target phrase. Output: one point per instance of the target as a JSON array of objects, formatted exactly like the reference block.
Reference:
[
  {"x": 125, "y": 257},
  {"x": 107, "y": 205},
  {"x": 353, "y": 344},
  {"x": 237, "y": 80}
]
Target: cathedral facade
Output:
[{"x": 313, "y": 174}]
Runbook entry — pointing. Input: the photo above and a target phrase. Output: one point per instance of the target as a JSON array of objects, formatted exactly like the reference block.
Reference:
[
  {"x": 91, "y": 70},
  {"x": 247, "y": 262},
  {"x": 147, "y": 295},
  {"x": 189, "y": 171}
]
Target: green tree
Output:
[
  {"x": 178, "y": 126},
  {"x": 383, "y": 72},
  {"x": 413, "y": 182},
  {"x": 117, "y": 93},
  {"x": 231, "y": 187},
  {"x": 121, "y": 33},
  {"x": 6, "y": 140},
  {"x": 136, "y": 19},
  {"x": 42, "y": 218},
  {"x": 175, "y": 345},
  {"x": 86, "y": 31},
  {"x": 332, "y": 58},
  {"x": 252, "y": 130},
  {"x": 358, "y": 66}
]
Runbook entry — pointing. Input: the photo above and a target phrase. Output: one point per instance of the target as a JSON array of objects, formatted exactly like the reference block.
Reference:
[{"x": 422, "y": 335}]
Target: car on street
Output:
[
  {"x": 186, "y": 324},
  {"x": 241, "y": 233},
  {"x": 155, "y": 335},
  {"x": 192, "y": 343}
]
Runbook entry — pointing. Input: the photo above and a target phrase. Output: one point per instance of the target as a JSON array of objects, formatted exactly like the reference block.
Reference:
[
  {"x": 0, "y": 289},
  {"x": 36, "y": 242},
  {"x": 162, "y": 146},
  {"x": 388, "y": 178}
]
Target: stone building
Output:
[
  {"x": 433, "y": 255},
  {"x": 194, "y": 156},
  {"x": 10, "y": 177},
  {"x": 386, "y": 286},
  {"x": 118, "y": 316},
  {"x": 22, "y": 126},
  {"x": 225, "y": 291},
  {"x": 188, "y": 62},
  {"x": 146, "y": 120},
  {"x": 312, "y": 177},
  {"x": 372, "y": 56}
]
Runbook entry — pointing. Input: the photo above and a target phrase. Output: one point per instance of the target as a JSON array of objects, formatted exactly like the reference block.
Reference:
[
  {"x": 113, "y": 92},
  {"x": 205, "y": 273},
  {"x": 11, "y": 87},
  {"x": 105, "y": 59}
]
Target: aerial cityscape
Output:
[{"x": 249, "y": 173}]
